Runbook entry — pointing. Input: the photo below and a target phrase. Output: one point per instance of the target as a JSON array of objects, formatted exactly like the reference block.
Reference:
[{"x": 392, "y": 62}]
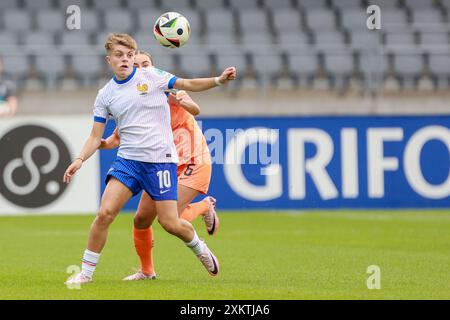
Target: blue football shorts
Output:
[{"x": 159, "y": 180}]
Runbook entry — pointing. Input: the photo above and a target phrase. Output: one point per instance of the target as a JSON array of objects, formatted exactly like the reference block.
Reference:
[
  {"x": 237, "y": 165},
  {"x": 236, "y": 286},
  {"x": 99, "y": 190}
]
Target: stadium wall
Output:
[
  {"x": 326, "y": 162},
  {"x": 272, "y": 163},
  {"x": 34, "y": 154}
]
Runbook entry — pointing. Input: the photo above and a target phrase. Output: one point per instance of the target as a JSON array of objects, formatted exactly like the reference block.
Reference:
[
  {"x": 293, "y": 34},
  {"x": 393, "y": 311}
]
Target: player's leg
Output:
[
  {"x": 195, "y": 180},
  {"x": 172, "y": 223},
  {"x": 185, "y": 196},
  {"x": 206, "y": 209},
  {"x": 114, "y": 198},
  {"x": 143, "y": 238},
  {"x": 161, "y": 184}
]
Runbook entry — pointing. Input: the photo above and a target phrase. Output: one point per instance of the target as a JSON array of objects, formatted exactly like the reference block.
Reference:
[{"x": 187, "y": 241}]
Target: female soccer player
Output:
[
  {"x": 194, "y": 175},
  {"x": 147, "y": 156}
]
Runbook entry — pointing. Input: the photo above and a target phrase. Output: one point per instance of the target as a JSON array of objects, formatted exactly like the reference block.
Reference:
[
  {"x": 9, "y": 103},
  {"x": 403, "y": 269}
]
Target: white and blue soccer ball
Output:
[{"x": 172, "y": 30}]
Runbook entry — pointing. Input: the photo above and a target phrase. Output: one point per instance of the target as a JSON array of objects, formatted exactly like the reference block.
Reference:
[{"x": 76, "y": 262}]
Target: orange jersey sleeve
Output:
[{"x": 188, "y": 137}]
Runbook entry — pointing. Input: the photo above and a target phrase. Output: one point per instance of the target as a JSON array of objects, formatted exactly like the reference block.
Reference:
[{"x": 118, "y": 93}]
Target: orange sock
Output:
[
  {"x": 143, "y": 242},
  {"x": 194, "y": 210}
]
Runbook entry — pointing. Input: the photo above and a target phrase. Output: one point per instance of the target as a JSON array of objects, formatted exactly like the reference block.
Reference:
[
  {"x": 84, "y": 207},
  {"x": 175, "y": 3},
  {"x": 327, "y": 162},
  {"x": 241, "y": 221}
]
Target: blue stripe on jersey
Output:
[
  {"x": 99, "y": 119},
  {"x": 172, "y": 82},
  {"x": 125, "y": 80}
]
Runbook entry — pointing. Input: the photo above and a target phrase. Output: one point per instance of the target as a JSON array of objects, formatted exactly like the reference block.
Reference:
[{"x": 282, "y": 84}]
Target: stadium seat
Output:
[
  {"x": 446, "y": 4},
  {"x": 220, "y": 20},
  {"x": 274, "y": 6},
  {"x": 434, "y": 40},
  {"x": 73, "y": 39},
  {"x": 384, "y": 4},
  {"x": 343, "y": 5},
  {"x": 141, "y": 4},
  {"x": 195, "y": 21},
  {"x": 339, "y": 69},
  {"x": 16, "y": 66},
  {"x": 146, "y": 20},
  {"x": 16, "y": 20},
  {"x": 100, "y": 38},
  {"x": 210, "y": 4},
  {"x": 8, "y": 39},
  {"x": 303, "y": 68},
  {"x": 320, "y": 20},
  {"x": 102, "y": 5},
  {"x": 394, "y": 20},
  {"x": 63, "y": 4},
  {"x": 267, "y": 67},
  {"x": 176, "y": 5},
  {"x": 329, "y": 41},
  {"x": 144, "y": 39},
  {"x": 353, "y": 19},
  {"x": 408, "y": 69},
  {"x": 227, "y": 60},
  {"x": 244, "y": 4},
  {"x": 220, "y": 40},
  {"x": 50, "y": 69},
  {"x": 292, "y": 40},
  {"x": 257, "y": 42},
  {"x": 312, "y": 4},
  {"x": 365, "y": 40},
  {"x": 37, "y": 4},
  {"x": 8, "y": 4},
  {"x": 400, "y": 40},
  {"x": 87, "y": 68},
  {"x": 417, "y": 5},
  {"x": 428, "y": 19},
  {"x": 38, "y": 40},
  {"x": 439, "y": 69},
  {"x": 373, "y": 69},
  {"x": 286, "y": 20},
  {"x": 165, "y": 62},
  {"x": 90, "y": 21},
  {"x": 51, "y": 20},
  {"x": 117, "y": 20},
  {"x": 195, "y": 40},
  {"x": 195, "y": 65},
  {"x": 253, "y": 21}
]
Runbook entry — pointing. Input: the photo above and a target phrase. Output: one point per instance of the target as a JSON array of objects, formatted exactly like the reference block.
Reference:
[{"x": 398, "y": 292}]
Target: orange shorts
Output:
[{"x": 196, "y": 176}]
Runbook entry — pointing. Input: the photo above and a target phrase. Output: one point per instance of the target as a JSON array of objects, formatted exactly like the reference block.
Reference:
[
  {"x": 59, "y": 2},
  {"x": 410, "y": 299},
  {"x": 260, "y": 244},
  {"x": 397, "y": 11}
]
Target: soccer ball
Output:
[{"x": 172, "y": 30}]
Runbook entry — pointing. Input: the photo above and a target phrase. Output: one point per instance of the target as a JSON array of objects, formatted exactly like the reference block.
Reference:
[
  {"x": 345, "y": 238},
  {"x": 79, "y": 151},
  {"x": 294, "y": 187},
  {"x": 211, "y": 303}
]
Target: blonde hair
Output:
[
  {"x": 120, "y": 39},
  {"x": 146, "y": 54}
]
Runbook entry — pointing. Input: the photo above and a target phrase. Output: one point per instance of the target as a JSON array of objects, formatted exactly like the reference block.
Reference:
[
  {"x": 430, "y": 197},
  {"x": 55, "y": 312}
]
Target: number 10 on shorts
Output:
[{"x": 164, "y": 179}]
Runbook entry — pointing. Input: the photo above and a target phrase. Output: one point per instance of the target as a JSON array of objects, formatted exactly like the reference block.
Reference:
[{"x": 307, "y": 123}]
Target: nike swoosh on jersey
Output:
[{"x": 162, "y": 192}]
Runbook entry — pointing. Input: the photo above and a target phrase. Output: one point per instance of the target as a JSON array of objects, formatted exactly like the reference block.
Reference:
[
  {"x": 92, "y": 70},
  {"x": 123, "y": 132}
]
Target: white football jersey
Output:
[{"x": 139, "y": 106}]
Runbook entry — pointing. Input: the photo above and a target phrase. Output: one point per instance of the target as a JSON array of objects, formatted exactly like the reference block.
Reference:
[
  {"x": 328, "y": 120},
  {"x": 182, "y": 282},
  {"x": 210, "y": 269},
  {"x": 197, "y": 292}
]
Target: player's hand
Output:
[
  {"x": 74, "y": 167},
  {"x": 227, "y": 75},
  {"x": 181, "y": 98}
]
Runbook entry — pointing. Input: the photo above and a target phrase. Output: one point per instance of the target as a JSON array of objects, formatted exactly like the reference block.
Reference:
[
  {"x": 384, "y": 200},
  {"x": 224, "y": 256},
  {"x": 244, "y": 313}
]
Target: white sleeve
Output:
[
  {"x": 100, "y": 109},
  {"x": 163, "y": 80}
]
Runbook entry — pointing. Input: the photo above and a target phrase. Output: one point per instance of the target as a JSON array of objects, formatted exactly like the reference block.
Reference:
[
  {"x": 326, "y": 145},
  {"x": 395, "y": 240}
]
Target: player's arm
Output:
[
  {"x": 112, "y": 142},
  {"x": 202, "y": 84},
  {"x": 183, "y": 100},
  {"x": 91, "y": 145}
]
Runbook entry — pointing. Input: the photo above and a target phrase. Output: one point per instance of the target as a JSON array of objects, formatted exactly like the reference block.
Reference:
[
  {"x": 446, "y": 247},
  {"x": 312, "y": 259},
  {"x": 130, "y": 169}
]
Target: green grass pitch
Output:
[{"x": 278, "y": 255}]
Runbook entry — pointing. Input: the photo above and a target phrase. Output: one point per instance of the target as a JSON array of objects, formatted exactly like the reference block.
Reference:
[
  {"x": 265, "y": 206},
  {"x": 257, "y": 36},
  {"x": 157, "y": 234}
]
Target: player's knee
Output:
[
  {"x": 105, "y": 216},
  {"x": 142, "y": 222}
]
